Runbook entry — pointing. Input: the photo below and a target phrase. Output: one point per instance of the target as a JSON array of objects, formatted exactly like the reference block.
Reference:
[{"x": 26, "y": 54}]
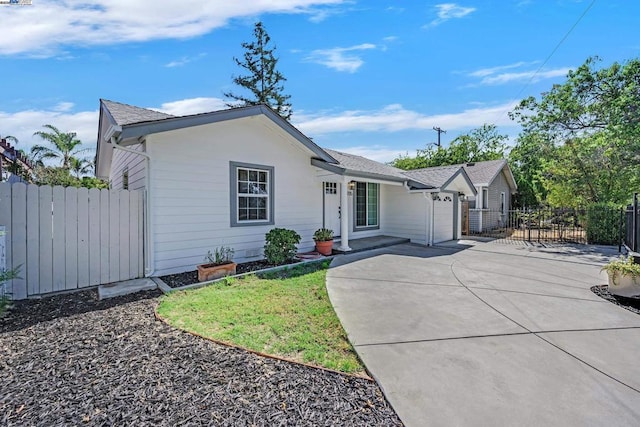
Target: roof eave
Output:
[
  {"x": 103, "y": 158},
  {"x": 134, "y": 131},
  {"x": 342, "y": 171}
]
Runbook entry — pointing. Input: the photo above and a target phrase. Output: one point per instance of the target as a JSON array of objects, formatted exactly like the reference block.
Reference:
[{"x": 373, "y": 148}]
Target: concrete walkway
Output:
[{"x": 491, "y": 334}]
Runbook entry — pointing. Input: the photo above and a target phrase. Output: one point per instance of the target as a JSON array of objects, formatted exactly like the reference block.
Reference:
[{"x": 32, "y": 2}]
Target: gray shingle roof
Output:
[
  {"x": 436, "y": 176},
  {"x": 352, "y": 162},
  {"x": 125, "y": 114},
  {"x": 483, "y": 172},
  {"x": 428, "y": 178}
]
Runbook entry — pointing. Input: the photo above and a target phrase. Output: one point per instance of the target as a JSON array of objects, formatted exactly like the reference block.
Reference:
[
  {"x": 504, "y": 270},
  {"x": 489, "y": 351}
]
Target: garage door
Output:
[{"x": 443, "y": 219}]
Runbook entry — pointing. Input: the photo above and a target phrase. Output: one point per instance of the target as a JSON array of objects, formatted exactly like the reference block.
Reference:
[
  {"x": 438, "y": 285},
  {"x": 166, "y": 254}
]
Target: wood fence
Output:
[{"x": 70, "y": 238}]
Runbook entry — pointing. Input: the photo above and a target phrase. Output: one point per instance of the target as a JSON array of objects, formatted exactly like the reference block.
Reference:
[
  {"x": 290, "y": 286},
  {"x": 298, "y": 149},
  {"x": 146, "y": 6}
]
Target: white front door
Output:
[{"x": 332, "y": 207}]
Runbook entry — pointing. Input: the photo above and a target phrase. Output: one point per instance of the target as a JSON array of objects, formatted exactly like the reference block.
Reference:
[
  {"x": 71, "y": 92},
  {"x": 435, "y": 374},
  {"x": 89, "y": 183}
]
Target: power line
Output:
[
  {"x": 556, "y": 48},
  {"x": 564, "y": 38}
]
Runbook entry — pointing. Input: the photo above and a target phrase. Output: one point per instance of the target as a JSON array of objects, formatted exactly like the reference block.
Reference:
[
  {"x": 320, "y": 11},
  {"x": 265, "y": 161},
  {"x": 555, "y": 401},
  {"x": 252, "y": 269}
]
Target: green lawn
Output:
[{"x": 287, "y": 315}]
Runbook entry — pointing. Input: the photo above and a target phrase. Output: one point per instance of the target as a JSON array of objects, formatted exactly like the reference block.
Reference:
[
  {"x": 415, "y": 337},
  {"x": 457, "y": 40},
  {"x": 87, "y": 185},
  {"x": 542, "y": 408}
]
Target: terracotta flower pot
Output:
[
  {"x": 325, "y": 247},
  {"x": 215, "y": 271}
]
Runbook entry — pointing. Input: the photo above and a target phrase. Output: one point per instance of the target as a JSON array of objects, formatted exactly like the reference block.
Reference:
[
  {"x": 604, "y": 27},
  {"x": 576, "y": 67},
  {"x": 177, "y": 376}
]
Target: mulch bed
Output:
[
  {"x": 73, "y": 360},
  {"x": 190, "y": 277},
  {"x": 631, "y": 304}
]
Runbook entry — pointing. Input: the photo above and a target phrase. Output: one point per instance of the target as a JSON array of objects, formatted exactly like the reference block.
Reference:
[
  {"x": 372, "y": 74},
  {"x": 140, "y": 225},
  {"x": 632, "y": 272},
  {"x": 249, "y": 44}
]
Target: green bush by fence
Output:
[{"x": 603, "y": 224}]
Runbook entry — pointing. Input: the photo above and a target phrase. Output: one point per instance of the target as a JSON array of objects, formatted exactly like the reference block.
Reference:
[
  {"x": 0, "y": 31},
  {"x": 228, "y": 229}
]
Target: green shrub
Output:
[
  {"x": 623, "y": 266},
  {"x": 280, "y": 246},
  {"x": 219, "y": 256},
  {"x": 5, "y": 276},
  {"x": 603, "y": 224},
  {"x": 323, "y": 235}
]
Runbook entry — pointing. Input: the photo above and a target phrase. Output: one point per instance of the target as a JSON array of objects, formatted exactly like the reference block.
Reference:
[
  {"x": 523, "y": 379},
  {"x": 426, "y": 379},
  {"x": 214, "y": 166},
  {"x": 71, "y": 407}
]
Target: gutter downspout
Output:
[{"x": 149, "y": 269}]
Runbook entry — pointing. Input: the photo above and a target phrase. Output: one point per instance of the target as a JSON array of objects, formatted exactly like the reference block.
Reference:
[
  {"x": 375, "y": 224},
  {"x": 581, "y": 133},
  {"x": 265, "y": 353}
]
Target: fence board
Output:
[
  {"x": 83, "y": 237},
  {"x": 123, "y": 241},
  {"x": 33, "y": 240},
  {"x": 19, "y": 238},
  {"x": 71, "y": 237},
  {"x": 59, "y": 264},
  {"x": 94, "y": 237},
  {"x": 46, "y": 242},
  {"x": 5, "y": 219},
  {"x": 104, "y": 237},
  {"x": 114, "y": 243}
]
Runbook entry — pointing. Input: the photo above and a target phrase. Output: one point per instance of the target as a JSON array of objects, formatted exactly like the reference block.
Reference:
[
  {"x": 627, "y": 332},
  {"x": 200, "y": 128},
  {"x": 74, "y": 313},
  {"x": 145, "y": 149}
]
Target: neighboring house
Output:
[
  {"x": 495, "y": 187},
  {"x": 14, "y": 166},
  {"x": 228, "y": 177}
]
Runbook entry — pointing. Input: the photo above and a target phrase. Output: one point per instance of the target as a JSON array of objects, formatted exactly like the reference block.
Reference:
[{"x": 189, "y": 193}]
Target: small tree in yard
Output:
[
  {"x": 263, "y": 81},
  {"x": 280, "y": 246}
]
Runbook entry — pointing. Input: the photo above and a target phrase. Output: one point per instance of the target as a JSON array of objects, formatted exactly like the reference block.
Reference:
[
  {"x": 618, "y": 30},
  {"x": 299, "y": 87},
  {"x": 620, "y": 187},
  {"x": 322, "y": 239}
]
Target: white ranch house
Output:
[{"x": 228, "y": 177}]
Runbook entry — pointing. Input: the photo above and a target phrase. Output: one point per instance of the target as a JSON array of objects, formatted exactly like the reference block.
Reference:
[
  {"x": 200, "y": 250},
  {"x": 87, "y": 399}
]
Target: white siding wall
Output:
[
  {"x": 495, "y": 218},
  {"x": 405, "y": 214},
  {"x": 497, "y": 186},
  {"x": 136, "y": 165},
  {"x": 190, "y": 204}
]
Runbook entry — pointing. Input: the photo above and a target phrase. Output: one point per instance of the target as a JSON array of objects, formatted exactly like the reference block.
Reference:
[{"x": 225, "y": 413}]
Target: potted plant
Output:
[
  {"x": 324, "y": 241},
  {"x": 217, "y": 264},
  {"x": 624, "y": 277}
]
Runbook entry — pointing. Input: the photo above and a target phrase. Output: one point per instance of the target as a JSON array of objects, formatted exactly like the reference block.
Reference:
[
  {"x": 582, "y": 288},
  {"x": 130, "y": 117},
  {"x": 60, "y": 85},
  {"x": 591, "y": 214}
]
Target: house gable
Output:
[
  {"x": 131, "y": 124},
  {"x": 483, "y": 174}
]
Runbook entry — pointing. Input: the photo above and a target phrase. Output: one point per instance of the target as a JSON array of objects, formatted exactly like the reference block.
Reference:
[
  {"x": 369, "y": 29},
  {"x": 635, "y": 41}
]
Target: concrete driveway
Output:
[{"x": 491, "y": 334}]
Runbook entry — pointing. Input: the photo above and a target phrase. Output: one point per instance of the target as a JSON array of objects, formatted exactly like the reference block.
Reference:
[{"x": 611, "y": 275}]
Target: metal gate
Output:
[{"x": 595, "y": 225}]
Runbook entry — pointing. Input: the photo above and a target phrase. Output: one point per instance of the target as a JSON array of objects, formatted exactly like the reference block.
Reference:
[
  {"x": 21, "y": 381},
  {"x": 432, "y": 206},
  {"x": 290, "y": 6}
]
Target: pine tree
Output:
[{"x": 263, "y": 81}]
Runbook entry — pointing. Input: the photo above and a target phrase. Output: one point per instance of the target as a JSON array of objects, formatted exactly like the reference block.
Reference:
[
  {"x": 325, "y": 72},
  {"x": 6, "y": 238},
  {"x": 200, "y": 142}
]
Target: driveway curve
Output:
[{"x": 476, "y": 333}]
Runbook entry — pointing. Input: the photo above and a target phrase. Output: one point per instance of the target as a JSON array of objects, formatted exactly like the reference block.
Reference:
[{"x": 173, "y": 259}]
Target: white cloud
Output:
[
  {"x": 494, "y": 76},
  {"x": 184, "y": 60},
  {"x": 23, "y": 124},
  {"x": 395, "y": 118},
  {"x": 63, "y": 106},
  {"x": 340, "y": 58},
  {"x": 524, "y": 76},
  {"x": 48, "y": 26},
  {"x": 185, "y": 107},
  {"x": 447, "y": 11},
  {"x": 483, "y": 72}
]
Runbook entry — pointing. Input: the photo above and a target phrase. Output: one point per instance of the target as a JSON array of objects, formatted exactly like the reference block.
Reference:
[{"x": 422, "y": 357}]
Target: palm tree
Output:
[
  {"x": 80, "y": 166},
  {"x": 9, "y": 138},
  {"x": 65, "y": 146}
]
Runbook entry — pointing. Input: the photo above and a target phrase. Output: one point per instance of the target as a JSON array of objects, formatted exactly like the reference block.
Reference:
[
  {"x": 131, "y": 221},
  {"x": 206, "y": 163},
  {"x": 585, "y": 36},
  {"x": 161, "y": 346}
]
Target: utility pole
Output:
[{"x": 439, "y": 130}]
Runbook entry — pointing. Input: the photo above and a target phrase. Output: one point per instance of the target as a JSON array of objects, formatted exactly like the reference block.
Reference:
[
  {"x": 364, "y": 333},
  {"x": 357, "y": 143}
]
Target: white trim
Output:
[
  {"x": 149, "y": 253},
  {"x": 344, "y": 216}
]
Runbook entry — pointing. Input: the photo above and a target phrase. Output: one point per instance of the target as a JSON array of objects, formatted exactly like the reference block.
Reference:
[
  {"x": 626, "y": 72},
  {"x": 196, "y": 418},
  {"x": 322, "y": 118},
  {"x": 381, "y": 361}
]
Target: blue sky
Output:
[{"x": 367, "y": 77}]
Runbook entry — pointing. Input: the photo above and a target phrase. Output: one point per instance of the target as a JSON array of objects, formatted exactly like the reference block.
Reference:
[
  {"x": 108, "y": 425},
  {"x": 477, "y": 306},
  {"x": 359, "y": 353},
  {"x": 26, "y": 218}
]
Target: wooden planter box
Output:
[
  {"x": 215, "y": 271},
  {"x": 624, "y": 285}
]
